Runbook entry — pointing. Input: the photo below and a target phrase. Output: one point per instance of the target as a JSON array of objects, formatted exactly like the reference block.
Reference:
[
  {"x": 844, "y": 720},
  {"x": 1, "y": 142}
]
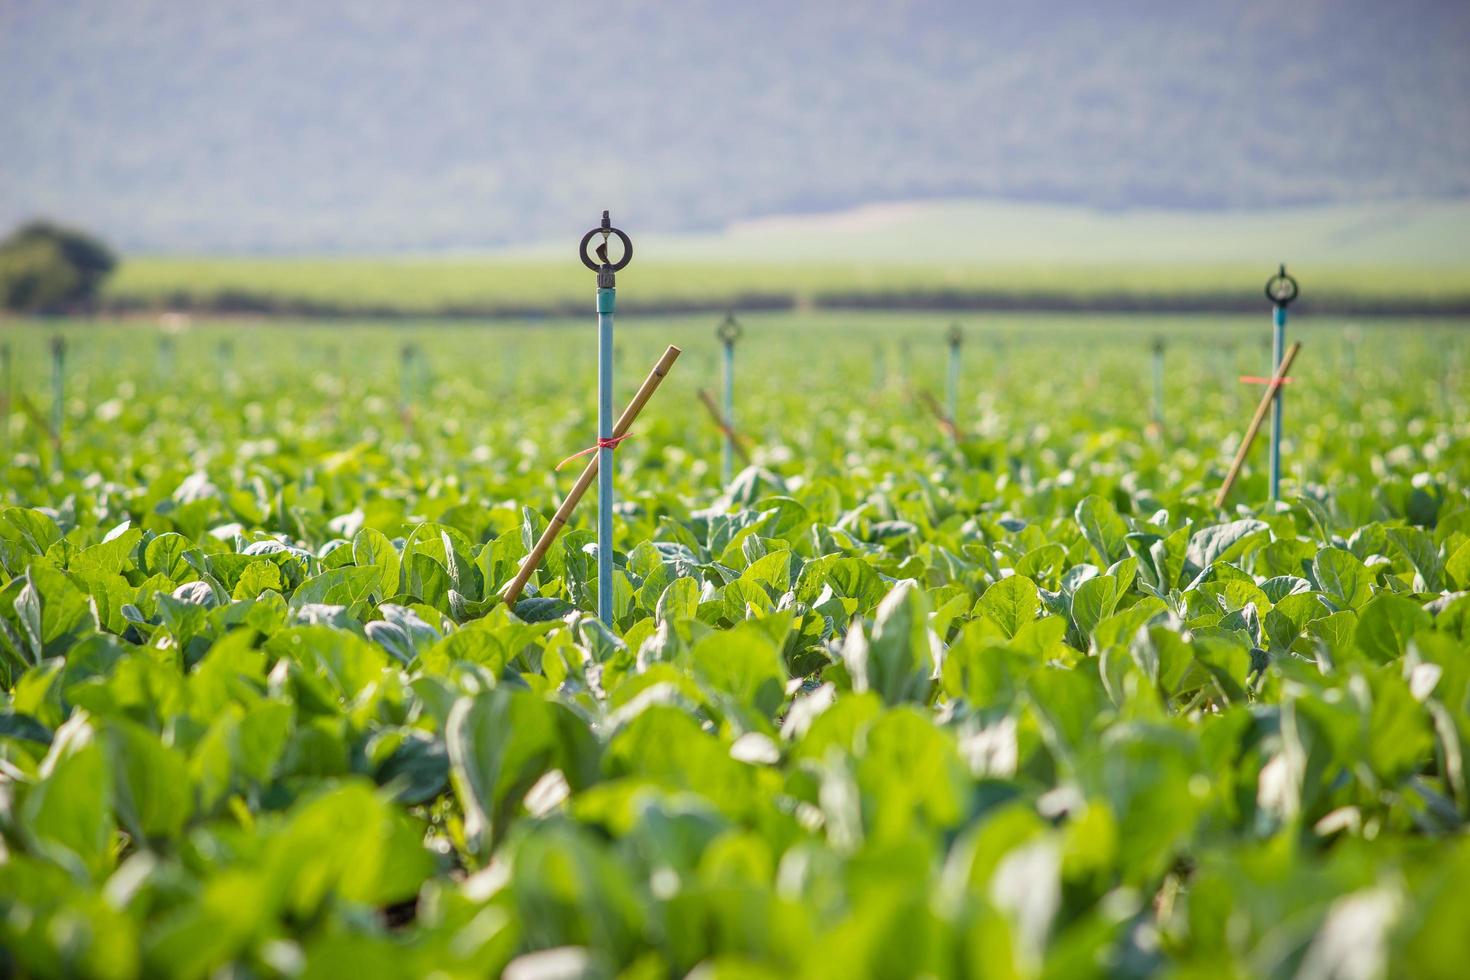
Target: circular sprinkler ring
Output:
[
  {"x": 1281, "y": 288},
  {"x": 955, "y": 336},
  {"x": 729, "y": 331},
  {"x": 604, "y": 263}
]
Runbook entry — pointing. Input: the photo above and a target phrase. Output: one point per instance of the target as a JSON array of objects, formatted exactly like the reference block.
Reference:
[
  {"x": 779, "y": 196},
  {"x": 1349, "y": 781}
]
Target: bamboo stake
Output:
[
  {"x": 38, "y": 417},
  {"x": 945, "y": 422},
  {"x": 58, "y": 396},
  {"x": 724, "y": 426},
  {"x": 589, "y": 473},
  {"x": 1261, "y": 411}
]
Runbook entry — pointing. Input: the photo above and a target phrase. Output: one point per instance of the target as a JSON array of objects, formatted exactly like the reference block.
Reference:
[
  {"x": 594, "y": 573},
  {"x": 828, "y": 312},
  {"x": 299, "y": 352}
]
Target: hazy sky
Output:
[{"x": 383, "y": 124}]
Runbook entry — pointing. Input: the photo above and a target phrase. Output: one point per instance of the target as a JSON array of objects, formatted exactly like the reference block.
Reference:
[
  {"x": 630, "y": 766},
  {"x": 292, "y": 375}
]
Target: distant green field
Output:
[
  {"x": 470, "y": 285},
  {"x": 880, "y": 254}
]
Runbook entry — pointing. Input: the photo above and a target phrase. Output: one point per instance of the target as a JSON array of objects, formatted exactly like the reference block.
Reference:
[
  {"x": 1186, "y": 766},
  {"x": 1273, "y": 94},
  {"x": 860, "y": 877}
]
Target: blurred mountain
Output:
[{"x": 377, "y": 125}]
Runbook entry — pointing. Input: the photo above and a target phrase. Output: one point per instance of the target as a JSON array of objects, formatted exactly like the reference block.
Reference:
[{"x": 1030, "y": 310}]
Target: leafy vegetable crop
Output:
[{"x": 885, "y": 706}]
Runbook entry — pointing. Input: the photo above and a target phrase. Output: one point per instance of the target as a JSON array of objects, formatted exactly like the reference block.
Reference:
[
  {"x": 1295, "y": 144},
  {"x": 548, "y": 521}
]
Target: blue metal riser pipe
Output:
[
  {"x": 1159, "y": 387},
  {"x": 1278, "y": 351},
  {"x": 605, "y": 302},
  {"x": 954, "y": 384},
  {"x": 727, "y": 459}
]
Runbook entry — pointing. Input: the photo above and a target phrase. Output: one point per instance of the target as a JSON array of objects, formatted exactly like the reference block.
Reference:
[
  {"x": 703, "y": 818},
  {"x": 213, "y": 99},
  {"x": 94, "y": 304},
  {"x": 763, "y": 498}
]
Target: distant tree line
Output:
[{"x": 48, "y": 268}]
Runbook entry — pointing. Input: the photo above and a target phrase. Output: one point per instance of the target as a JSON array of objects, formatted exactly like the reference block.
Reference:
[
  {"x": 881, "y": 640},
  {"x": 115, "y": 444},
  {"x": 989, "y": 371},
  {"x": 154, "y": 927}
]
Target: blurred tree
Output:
[{"x": 47, "y": 268}]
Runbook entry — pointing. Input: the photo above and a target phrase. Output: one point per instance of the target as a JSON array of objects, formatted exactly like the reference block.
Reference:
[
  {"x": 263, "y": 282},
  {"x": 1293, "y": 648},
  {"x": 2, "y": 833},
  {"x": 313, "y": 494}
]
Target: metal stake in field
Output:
[
  {"x": 1274, "y": 383},
  {"x": 956, "y": 337},
  {"x": 606, "y": 270},
  {"x": 1281, "y": 289},
  {"x": 728, "y": 332},
  {"x": 406, "y": 386},
  {"x": 512, "y": 591},
  {"x": 1158, "y": 412},
  {"x": 166, "y": 357},
  {"x": 58, "y": 393}
]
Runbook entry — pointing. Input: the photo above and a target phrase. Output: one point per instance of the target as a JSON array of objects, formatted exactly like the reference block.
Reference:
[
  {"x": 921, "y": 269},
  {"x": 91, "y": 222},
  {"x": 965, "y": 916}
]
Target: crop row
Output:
[{"x": 1025, "y": 703}]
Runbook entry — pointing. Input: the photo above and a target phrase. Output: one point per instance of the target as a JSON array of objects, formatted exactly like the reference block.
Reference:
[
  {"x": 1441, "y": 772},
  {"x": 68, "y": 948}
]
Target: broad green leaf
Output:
[
  {"x": 154, "y": 794},
  {"x": 1343, "y": 579},
  {"x": 1223, "y": 542},
  {"x": 1387, "y": 623},
  {"x": 1457, "y": 567},
  {"x": 856, "y": 579},
  {"x": 33, "y": 530},
  {"x": 371, "y": 548},
  {"x": 351, "y": 842},
  {"x": 345, "y": 586},
  {"x": 1012, "y": 603},
  {"x": 67, "y": 816},
  {"x": 895, "y": 661},
  {"x": 1039, "y": 563},
  {"x": 742, "y": 665},
  {"x": 500, "y": 743},
  {"x": 771, "y": 571},
  {"x": 1094, "y": 601},
  {"x": 164, "y": 555},
  {"x": 51, "y": 608},
  {"x": 259, "y": 576},
  {"x": 1119, "y": 628},
  {"x": 1289, "y": 617},
  {"x": 110, "y": 557},
  {"x": 1399, "y": 733},
  {"x": 1422, "y": 554},
  {"x": 1103, "y": 528},
  {"x": 680, "y": 600}
]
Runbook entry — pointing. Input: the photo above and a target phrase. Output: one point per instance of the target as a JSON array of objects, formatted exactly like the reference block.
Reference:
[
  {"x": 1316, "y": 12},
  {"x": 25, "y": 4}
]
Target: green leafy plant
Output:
[{"x": 1020, "y": 705}]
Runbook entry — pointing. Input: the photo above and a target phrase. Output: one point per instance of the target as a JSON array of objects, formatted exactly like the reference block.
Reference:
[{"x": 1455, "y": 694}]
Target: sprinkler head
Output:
[
  {"x": 729, "y": 330},
  {"x": 1281, "y": 288},
  {"x": 604, "y": 266}
]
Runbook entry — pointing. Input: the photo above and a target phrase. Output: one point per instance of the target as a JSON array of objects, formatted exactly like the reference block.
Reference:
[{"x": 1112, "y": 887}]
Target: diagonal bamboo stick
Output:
[
  {"x": 945, "y": 422},
  {"x": 579, "y": 489},
  {"x": 724, "y": 426},
  {"x": 37, "y": 416},
  {"x": 1261, "y": 410}
]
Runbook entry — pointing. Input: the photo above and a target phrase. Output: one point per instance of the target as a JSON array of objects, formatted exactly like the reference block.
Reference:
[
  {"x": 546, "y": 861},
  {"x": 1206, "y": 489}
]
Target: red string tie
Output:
[
  {"x": 611, "y": 443},
  {"x": 1252, "y": 379}
]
